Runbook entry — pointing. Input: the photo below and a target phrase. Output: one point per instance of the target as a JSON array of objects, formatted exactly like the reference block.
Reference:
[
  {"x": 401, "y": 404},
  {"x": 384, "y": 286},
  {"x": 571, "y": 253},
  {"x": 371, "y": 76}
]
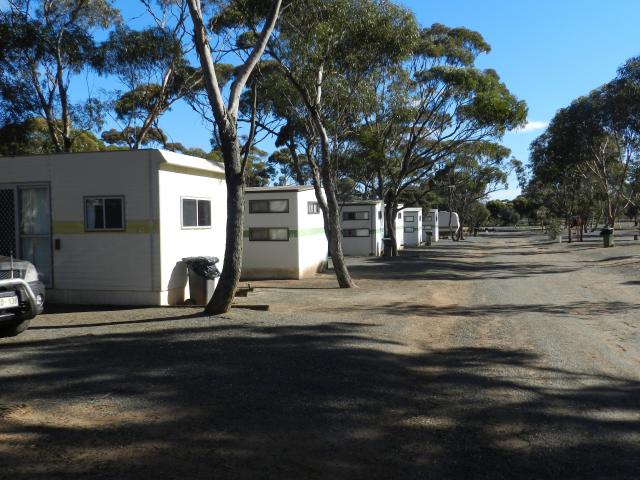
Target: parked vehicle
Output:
[
  {"x": 21, "y": 295},
  {"x": 443, "y": 223}
]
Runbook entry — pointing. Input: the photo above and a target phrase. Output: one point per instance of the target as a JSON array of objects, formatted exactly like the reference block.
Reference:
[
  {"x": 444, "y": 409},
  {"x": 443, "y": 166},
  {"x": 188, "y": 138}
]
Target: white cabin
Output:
[
  {"x": 284, "y": 234},
  {"x": 362, "y": 227},
  {"x": 112, "y": 227},
  {"x": 413, "y": 226},
  {"x": 430, "y": 225}
]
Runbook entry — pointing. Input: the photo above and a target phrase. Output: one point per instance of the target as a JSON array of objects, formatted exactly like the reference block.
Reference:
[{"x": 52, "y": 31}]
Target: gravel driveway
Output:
[{"x": 504, "y": 356}]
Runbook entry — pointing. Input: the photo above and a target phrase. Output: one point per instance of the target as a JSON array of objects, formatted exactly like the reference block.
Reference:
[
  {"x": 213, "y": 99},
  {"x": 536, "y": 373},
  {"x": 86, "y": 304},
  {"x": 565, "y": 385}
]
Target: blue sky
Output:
[{"x": 548, "y": 52}]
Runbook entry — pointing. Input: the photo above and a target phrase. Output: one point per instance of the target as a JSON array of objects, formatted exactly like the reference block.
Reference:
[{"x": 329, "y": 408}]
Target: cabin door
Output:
[
  {"x": 25, "y": 226},
  {"x": 8, "y": 222}
]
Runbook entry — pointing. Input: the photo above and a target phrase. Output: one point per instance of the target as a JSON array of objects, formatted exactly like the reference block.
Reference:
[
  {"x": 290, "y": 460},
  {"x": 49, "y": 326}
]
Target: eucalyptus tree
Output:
[
  {"x": 561, "y": 185},
  {"x": 31, "y": 137},
  {"x": 595, "y": 141},
  {"x": 471, "y": 174},
  {"x": 429, "y": 107},
  {"x": 153, "y": 67},
  {"x": 44, "y": 44},
  {"x": 327, "y": 49},
  {"x": 226, "y": 22}
]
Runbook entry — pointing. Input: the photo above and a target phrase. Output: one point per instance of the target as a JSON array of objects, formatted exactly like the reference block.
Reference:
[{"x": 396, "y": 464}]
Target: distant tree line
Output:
[{"x": 586, "y": 165}]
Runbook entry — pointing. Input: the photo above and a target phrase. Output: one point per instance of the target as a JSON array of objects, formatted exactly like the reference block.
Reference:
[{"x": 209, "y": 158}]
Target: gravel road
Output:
[{"x": 504, "y": 356}]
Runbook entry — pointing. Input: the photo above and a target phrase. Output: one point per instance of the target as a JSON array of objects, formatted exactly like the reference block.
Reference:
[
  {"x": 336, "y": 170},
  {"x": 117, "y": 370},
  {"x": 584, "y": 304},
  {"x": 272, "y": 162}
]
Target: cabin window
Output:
[
  {"x": 313, "y": 208},
  {"x": 269, "y": 206},
  {"x": 355, "y": 232},
  {"x": 409, "y": 218},
  {"x": 268, "y": 234},
  {"x": 399, "y": 215},
  {"x": 196, "y": 213},
  {"x": 380, "y": 214},
  {"x": 364, "y": 215},
  {"x": 410, "y": 229},
  {"x": 104, "y": 214}
]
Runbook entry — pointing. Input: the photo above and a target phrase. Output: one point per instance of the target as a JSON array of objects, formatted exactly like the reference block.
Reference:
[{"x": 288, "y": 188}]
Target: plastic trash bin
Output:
[
  {"x": 428, "y": 239},
  {"x": 607, "y": 237},
  {"x": 203, "y": 278},
  {"x": 388, "y": 246}
]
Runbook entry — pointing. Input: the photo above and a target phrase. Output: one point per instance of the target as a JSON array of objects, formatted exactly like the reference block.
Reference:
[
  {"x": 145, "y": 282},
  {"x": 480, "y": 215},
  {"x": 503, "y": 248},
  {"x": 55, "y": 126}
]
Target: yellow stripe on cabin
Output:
[{"x": 133, "y": 227}]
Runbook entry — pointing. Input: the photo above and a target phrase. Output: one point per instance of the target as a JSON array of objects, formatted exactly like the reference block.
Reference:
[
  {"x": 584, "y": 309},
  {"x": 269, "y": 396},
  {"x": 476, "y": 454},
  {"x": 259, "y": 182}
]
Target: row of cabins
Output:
[{"x": 113, "y": 227}]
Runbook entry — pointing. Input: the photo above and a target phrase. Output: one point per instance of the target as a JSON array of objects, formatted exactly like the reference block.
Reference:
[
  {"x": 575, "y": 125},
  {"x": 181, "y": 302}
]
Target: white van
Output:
[{"x": 443, "y": 222}]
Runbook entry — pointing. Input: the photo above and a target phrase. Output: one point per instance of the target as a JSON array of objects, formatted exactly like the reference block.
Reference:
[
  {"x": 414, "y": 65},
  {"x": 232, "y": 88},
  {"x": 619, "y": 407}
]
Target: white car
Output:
[{"x": 21, "y": 295}]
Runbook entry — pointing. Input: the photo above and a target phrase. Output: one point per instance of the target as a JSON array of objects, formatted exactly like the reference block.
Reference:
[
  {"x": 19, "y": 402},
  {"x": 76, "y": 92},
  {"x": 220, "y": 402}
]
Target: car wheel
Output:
[{"x": 14, "y": 329}]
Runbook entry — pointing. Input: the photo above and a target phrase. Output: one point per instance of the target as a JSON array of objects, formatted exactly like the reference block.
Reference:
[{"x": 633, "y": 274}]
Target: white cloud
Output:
[{"x": 532, "y": 127}]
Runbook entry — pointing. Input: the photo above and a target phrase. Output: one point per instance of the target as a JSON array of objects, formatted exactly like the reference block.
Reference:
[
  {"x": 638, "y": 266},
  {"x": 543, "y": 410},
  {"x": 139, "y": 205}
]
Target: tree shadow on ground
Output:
[
  {"x": 571, "y": 310},
  {"x": 434, "y": 267},
  {"x": 320, "y": 401}
]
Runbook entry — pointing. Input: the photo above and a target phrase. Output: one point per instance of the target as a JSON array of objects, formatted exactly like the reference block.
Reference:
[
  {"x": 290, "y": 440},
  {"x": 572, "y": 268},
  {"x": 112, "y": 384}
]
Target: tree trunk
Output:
[
  {"x": 335, "y": 229},
  {"x": 390, "y": 213},
  {"x": 232, "y": 268}
]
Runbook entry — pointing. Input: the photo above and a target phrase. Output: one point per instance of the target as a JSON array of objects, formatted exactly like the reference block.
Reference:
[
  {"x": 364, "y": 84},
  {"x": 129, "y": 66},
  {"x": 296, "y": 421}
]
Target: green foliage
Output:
[
  {"x": 456, "y": 46},
  {"x": 521, "y": 205},
  {"x": 31, "y": 137},
  {"x": 503, "y": 212},
  {"x": 589, "y": 158},
  {"x": 478, "y": 215},
  {"x": 43, "y": 44},
  {"x": 553, "y": 227},
  {"x": 129, "y": 136},
  {"x": 434, "y": 115}
]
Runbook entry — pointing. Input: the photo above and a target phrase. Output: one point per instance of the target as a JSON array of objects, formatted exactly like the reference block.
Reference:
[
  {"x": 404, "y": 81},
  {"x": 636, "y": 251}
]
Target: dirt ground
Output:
[{"x": 504, "y": 356}]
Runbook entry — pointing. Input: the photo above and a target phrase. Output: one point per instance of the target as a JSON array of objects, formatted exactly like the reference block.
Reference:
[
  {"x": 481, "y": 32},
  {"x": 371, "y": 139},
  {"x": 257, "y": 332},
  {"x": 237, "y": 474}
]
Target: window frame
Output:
[
  {"x": 252, "y": 229},
  {"x": 412, "y": 217},
  {"x": 410, "y": 229},
  {"x": 103, "y": 198},
  {"x": 344, "y": 234},
  {"x": 354, "y": 213},
  {"x": 197, "y": 226},
  {"x": 269, "y": 200},
  {"x": 316, "y": 206}
]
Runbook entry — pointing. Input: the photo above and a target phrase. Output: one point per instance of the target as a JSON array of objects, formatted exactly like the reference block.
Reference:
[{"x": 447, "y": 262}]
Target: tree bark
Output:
[
  {"x": 232, "y": 268},
  {"x": 335, "y": 229},
  {"x": 390, "y": 214},
  {"x": 226, "y": 120}
]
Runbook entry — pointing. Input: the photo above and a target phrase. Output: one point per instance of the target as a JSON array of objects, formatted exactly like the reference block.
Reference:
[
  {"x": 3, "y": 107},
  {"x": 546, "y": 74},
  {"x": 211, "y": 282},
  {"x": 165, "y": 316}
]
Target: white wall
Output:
[
  {"x": 379, "y": 228},
  {"x": 430, "y": 224},
  {"x": 400, "y": 228},
  {"x": 121, "y": 267},
  {"x": 111, "y": 263},
  {"x": 413, "y": 238},
  {"x": 359, "y": 246},
  {"x": 271, "y": 259},
  {"x": 177, "y": 242},
  {"x": 312, "y": 241}
]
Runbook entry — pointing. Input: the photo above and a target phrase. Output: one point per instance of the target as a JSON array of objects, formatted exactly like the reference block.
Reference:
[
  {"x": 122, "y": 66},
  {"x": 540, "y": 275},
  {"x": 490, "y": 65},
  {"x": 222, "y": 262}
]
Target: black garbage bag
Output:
[{"x": 203, "y": 266}]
